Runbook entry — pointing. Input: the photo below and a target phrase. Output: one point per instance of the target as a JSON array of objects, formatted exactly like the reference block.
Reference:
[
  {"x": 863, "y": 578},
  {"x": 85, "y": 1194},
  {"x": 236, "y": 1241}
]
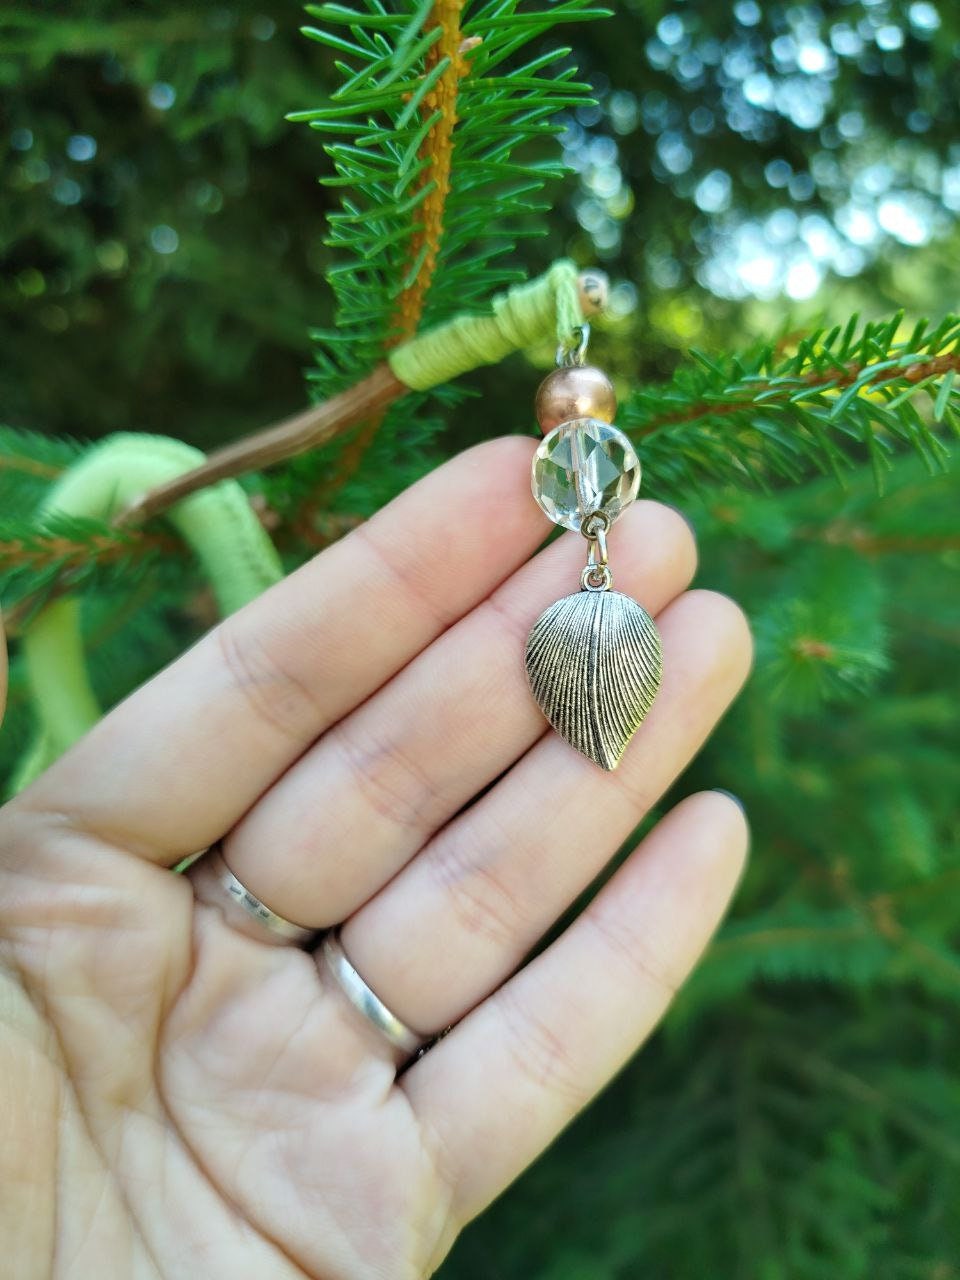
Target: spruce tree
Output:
[{"x": 798, "y": 1117}]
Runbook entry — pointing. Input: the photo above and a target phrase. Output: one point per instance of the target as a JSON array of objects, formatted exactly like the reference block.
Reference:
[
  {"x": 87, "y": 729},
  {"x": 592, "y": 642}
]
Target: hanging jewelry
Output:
[{"x": 594, "y": 659}]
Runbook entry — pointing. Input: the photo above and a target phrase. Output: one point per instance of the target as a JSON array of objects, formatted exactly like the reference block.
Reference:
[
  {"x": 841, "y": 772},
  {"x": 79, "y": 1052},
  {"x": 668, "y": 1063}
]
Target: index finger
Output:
[{"x": 176, "y": 764}]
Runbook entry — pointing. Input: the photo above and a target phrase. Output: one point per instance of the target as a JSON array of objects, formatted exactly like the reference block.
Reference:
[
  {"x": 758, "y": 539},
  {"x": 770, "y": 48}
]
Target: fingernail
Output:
[{"x": 736, "y": 799}]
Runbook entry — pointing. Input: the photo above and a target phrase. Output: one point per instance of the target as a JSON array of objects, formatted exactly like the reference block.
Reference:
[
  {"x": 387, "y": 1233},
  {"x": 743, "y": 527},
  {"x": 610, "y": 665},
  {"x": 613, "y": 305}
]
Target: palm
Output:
[
  {"x": 188, "y": 1100},
  {"x": 224, "y": 1092}
]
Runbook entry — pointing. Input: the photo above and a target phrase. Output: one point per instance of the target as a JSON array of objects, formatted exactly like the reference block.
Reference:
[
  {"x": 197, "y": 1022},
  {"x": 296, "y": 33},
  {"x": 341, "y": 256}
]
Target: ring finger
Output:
[{"x": 489, "y": 886}]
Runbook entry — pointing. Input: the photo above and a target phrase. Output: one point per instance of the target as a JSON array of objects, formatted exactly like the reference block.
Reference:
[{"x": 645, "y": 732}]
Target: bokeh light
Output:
[{"x": 797, "y": 86}]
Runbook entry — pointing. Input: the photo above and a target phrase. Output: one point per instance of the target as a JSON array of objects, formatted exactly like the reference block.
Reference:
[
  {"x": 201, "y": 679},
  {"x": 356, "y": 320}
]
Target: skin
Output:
[{"x": 182, "y": 1098}]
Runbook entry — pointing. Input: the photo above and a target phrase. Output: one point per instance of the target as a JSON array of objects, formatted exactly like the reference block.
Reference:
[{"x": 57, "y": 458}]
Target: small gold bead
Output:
[
  {"x": 594, "y": 289},
  {"x": 581, "y": 391}
]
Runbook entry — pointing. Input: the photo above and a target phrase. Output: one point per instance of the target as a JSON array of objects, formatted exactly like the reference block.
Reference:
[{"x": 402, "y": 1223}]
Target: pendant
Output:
[
  {"x": 594, "y": 664},
  {"x": 594, "y": 659}
]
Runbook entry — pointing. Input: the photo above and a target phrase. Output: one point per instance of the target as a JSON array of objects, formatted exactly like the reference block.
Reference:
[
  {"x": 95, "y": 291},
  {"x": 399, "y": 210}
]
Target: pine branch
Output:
[
  {"x": 66, "y": 553},
  {"x": 29, "y": 463},
  {"x": 845, "y": 396},
  {"x": 28, "y": 467},
  {"x": 867, "y": 543},
  {"x": 785, "y": 1130},
  {"x": 446, "y": 53},
  {"x": 824, "y": 639},
  {"x": 419, "y": 179},
  {"x": 446, "y": 56},
  {"x": 826, "y": 1074},
  {"x": 424, "y": 139}
]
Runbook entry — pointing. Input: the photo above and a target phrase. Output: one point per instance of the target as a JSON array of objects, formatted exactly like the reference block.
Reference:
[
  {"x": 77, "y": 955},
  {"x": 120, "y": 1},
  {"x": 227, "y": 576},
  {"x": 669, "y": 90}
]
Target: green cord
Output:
[
  {"x": 218, "y": 522},
  {"x": 521, "y": 318},
  {"x": 219, "y": 525}
]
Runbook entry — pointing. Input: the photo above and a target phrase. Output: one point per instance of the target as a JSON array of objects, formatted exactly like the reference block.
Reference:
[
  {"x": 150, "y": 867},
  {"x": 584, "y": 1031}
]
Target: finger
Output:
[
  {"x": 191, "y": 751},
  {"x": 361, "y": 802},
  {"x": 495, "y": 880},
  {"x": 503, "y": 1084}
]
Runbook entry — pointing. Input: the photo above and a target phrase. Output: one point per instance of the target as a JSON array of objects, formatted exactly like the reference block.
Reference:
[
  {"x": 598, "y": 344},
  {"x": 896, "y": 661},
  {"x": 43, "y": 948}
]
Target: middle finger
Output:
[{"x": 348, "y": 815}]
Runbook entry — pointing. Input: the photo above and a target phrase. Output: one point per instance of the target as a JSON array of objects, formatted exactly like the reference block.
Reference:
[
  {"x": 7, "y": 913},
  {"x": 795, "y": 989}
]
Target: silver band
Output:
[
  {"x": 366, "y": 1001},
  {"x": 249, "y": 903}
]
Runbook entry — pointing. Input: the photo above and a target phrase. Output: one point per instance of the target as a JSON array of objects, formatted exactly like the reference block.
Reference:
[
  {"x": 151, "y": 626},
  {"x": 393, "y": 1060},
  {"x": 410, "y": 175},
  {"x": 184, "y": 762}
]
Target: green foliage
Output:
[
  {"x": 184, "y": 105},
  {"x": 29, "y": 462},
  {"x": 73, "y": 552},
  {"x": 766, "y": 1153},
  {"x": 381, "y": 118},
  {"x": 797, "y": 1117},
  {"x": 845, "y": 395},
  {"x": 824, "y": 639}
]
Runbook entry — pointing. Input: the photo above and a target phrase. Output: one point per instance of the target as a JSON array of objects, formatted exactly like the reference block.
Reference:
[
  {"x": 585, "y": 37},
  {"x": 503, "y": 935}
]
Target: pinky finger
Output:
[{"x": 514, "y": 1072}]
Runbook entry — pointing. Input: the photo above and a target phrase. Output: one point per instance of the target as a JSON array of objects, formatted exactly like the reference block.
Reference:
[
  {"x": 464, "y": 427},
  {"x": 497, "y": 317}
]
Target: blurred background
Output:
[{"x": 747, "y": 171}]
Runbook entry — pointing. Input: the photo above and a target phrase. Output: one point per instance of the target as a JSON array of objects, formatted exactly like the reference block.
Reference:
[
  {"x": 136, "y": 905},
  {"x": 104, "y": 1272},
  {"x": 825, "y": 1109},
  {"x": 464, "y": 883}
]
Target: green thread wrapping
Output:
[
  {"x": 522, "y": 317},
  {"x": 219, "y": 525}
]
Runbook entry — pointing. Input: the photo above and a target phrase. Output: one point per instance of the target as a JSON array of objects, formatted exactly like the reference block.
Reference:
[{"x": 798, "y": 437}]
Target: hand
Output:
[{"x": 185, "y": 1100}]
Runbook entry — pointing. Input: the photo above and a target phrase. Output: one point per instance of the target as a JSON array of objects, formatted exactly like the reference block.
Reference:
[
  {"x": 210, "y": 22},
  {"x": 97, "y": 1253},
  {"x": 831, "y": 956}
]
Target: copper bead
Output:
[{"x": 581, "y": 391}]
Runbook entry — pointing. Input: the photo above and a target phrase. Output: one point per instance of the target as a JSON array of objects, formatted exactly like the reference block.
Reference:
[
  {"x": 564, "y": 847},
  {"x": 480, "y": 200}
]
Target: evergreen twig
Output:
[
  {"x": 874, "y": 544},
  {"x": 67, "y": 553},
  {"x": 29, "y": 462},
  {"x": 436, "y": 151},
  {"x": 29, "y": 467},
  {"x": 426, "y": 124},
  {"x": 843, "y": 397}
]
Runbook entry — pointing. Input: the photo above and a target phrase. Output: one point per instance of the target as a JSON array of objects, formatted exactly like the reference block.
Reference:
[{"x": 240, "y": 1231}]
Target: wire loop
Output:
[
  {"x": 569, "y": 357},
  {"x": 596, "y": 575}
]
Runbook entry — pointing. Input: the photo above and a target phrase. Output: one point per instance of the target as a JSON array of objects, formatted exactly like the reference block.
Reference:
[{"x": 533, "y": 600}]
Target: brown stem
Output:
[
  {"x": 353, "y": 454},
  {"x": 706, "y": 409},
  {"x": 73, "y": 555},
  {"x": 29, "y": 467},
  {"x": 317, "y": 530},
  {"x": 313, "y": 427},
  {"x": 38, "y": 552},
  {"x": 437, "y": 150},
  {"x": 306, "y": 430},
  {"x": 873, "y": 544}
]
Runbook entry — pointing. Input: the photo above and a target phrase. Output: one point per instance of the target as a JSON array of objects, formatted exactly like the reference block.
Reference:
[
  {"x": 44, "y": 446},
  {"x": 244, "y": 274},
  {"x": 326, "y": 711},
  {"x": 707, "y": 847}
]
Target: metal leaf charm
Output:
[{"x": 594, "y": 662}]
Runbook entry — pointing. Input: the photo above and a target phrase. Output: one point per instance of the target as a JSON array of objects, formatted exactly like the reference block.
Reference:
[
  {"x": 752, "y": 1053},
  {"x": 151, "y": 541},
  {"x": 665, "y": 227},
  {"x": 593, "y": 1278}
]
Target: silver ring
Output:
[
  {"x": 366, "y": 1001},
  {"x": 249, "y": 903}
]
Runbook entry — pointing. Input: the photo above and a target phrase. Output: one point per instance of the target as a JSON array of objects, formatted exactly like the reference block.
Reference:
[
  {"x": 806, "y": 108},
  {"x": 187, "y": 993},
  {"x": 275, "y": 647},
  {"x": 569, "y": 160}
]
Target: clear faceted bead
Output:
[{"x": 584, "y": 466}]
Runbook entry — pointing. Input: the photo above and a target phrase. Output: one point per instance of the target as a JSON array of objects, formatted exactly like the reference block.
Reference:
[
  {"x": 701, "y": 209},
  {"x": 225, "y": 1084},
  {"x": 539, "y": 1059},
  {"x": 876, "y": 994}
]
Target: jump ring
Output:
[
  {"x": 594, "y": 523},
  {"x": 598, "y": 548},
  {"x": 569, "y": 357},
  {"x": 596, "y": 577}
]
